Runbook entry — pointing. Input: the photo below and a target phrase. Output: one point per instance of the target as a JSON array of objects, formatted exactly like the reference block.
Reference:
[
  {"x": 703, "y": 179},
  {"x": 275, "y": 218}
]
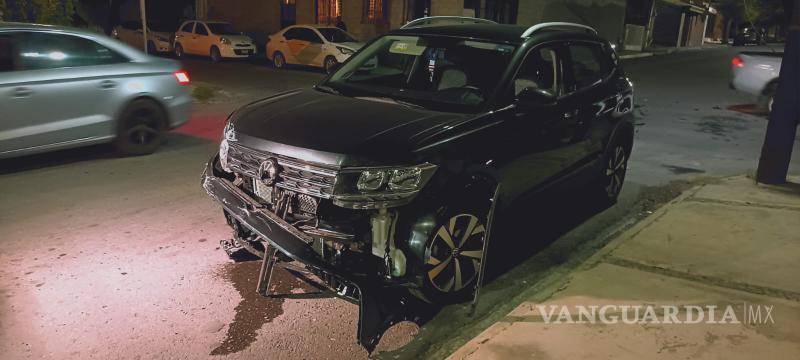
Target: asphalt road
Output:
[{"x": 105, "y": 257}]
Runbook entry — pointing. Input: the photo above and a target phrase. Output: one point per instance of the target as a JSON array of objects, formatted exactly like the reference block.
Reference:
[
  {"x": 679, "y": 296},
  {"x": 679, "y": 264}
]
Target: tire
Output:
[
  {"x": 454, "y": 252},
  {"x": 278, "y": 60},
  {"x": 141, "y": 129},
  {"x": 215, "y": 55},
  {"x": 151, "y": 48},
  {"x": 609, "y": 184},
  {"x": 329, "y": 63},
  {"x": 179, "y": 51}
]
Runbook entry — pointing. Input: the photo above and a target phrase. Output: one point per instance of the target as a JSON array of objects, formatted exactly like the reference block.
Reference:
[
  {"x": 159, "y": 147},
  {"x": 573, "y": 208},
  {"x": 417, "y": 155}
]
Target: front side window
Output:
[
  {"x": 222, "y": 29},
  {"x": 200, "y": 29},
  {"x": 7, "y": 51},
  {"x": 336, "y": 35},
  {"x": 539, "y": 70},
  {"x": 440, "y": 73},
  {"x": 38, "y": 50},
  {"x": 309, "y": 35},
  {"x": 588, "y": 65}
]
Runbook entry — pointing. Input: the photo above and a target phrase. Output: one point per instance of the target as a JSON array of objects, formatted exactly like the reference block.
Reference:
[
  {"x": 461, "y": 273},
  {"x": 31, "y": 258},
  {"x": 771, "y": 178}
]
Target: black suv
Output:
[{"x": 387, "y": 174}]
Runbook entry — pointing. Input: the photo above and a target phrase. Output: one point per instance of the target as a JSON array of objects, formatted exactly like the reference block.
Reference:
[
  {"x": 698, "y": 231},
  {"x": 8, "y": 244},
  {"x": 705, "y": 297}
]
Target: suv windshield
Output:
[
  {"x": 335, "y": 35},
  {"x": 222, "y": 29},
  {"x": 440, "y": 73}
]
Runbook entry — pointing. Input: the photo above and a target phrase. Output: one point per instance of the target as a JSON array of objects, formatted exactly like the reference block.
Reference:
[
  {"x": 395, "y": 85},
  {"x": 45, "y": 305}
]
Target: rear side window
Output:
[
  {"x": 39, "y": 50},
  {"x": 200, "y": 29},
  {"x": 589, "y": 65},
  {"x": 188, "y": 27}
]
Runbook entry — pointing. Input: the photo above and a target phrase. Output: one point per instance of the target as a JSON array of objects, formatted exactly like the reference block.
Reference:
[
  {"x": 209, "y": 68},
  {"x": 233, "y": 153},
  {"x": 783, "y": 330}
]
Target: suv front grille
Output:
[{"x": 294, "y": 175}]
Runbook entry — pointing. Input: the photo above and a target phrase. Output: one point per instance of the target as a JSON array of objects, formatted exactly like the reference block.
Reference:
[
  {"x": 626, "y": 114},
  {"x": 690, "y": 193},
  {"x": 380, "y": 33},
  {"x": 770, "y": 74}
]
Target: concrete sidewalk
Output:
[{"x": 731, "y": 244}]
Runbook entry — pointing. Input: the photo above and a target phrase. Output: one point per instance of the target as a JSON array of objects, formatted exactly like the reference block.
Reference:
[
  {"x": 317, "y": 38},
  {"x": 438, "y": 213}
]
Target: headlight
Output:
[
  {"x": 371, "y": 180},
  {"x": 375, "y": 188},
  {"x": 405, "y": 179},
  {"x": 224, "y": 40},
  {"x": 346, "y": 51}
]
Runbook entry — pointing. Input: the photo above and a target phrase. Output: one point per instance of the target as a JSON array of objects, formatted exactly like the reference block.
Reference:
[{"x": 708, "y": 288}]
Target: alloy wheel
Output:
[
  {"x": 615, "y": 171},
  {"x": 329, "y": 64},
  {"x": 143, "y": 129},
  {"x": 455, "y": 253},
  {"x": 278, "y": 60}
]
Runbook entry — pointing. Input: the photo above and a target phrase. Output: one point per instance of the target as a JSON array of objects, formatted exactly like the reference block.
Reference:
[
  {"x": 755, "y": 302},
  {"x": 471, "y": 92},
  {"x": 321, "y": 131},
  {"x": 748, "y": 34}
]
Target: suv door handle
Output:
[
  {"x": 107, "y": 84},
  {"x": 22, "y": 92}
]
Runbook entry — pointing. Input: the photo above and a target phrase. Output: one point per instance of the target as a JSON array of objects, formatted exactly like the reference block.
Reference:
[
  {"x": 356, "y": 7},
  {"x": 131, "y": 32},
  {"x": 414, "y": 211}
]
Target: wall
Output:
[
  {"x": 256, "y": 18},
  {"x": 607, "y": 16},
  {"x": 447, "y": 7}
]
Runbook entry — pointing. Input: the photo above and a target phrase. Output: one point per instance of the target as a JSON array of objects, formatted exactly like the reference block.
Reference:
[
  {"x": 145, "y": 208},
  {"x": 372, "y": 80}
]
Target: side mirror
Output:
[{"x": 534, "y": 96}]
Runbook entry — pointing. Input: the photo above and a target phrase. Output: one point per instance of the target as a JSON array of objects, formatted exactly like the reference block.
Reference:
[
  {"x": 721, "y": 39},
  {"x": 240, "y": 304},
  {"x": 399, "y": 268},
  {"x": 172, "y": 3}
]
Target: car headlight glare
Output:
[
  {"x": 346, "y": 51},
  {"x": 371, "y": 180},
  {"x": 224, "y": 40},
  {"x": 406, "y": 179}
]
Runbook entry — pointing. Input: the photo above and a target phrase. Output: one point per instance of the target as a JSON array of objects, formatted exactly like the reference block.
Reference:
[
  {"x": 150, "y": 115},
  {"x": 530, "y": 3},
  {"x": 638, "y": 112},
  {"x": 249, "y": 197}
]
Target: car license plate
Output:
[
  {"x": 262, "y": 190},
  {"x": 247, "y": 51}
]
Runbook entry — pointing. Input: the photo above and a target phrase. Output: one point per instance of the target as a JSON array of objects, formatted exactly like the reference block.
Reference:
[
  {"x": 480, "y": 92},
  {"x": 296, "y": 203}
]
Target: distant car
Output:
[
  {"x": 315, "y": 45},
  {"x": 159, "y": 36},
  {"x": 757, "y": 73},
  {"x": 215, "y": 39},
  {"x": 749, "y": 36},
  {"x": 63, "y": 88}
]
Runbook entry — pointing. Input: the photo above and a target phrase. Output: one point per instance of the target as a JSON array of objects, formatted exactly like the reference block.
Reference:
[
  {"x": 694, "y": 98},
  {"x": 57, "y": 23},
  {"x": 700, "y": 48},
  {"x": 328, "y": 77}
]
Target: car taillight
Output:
[
  {"x": 182, "y": 77},
  {"x": 737, "y": 62}
]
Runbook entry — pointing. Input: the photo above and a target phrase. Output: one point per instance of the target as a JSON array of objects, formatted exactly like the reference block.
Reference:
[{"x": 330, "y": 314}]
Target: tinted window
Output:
[
  {"x": 187, "y": 27},
  {"x": 200, "y": 29},
  {"x": 6, "y": 52},
  {"x": 222, "y": 29},
  {"x": 539, "y": 71},
  {"x": 336, "y": 35},
  {"x": 308, "y": 35},
  {"x": 291, "y": 34},
  {"x": 48, "y": 51},
  {"x": 589, "y": 65}
]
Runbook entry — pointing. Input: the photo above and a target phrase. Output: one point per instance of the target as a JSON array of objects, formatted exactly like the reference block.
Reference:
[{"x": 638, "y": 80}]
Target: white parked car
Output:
[
  {"x": 159, "y": 35},
  {"x": 757, "y": 73},
  {"x": 315, "y": 45},
  {"x": 215, "y": 39}
]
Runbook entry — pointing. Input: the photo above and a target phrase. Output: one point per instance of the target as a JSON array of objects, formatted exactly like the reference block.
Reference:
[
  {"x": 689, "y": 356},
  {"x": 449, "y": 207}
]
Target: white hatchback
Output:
[
  {"x": 315, "y": 45},
  {"x": 215, "y": 39}
]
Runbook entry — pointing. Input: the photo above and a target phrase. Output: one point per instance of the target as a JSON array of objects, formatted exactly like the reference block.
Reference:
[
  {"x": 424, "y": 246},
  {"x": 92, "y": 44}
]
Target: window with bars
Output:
[
  {"x": 376, "y": 11},
  {"x": 328, "y": 11}
]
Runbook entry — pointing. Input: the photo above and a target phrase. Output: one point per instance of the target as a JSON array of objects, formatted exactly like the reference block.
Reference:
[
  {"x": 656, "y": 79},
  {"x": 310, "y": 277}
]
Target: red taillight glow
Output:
[
  {"x": 737, "y": 62},
  {"x": 182, "y": 77}
]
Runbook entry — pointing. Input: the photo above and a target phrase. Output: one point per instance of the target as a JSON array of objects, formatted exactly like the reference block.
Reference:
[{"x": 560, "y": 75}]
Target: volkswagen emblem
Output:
[{"x": 268, "y": 171}]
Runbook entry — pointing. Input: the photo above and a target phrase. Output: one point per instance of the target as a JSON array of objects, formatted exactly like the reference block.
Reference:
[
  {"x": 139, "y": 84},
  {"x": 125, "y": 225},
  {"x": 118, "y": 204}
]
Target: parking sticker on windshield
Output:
[{"x": 406, "y": 48}]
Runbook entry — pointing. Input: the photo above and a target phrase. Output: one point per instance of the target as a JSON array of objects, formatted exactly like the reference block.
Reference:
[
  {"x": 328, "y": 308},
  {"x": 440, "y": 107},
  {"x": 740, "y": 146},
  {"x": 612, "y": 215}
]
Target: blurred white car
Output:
[
  {"x": 159, "y": 35},
  {"x": 315, "y": 45},
  {"x": 215, "y": 39},
  {"x": 757, "y": 73}
]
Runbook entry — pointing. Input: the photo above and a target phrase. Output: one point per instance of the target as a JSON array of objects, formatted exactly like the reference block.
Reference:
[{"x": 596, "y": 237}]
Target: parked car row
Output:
[{"x": 322, "y": 46}]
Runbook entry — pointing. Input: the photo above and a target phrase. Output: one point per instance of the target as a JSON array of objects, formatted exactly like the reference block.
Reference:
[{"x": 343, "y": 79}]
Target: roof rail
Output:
[
  {"x": 431, "y": 19},
  {"x": 531, "y": 30}
]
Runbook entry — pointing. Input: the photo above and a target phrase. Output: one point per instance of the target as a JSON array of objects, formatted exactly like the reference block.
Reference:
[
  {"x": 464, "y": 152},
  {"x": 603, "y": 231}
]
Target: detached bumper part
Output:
[{"x": 380, "y": 305}]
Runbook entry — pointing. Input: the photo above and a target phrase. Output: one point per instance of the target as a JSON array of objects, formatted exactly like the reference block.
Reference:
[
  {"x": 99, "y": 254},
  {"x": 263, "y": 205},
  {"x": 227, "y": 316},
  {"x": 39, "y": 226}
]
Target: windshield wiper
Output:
[
  {"x": 392, "y": 101},
  {"x": 327, "y": 89}
]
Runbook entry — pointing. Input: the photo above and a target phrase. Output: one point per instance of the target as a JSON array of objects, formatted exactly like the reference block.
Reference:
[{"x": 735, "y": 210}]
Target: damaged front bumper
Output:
[{"x": 380, "y": 304}]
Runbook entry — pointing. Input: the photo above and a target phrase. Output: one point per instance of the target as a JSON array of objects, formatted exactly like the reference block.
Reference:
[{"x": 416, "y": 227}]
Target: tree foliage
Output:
[{"x": 54, "y": 12}]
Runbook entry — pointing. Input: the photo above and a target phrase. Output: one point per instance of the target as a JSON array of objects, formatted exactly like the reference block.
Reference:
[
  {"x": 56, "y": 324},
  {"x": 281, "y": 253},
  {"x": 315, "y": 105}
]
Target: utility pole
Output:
[
  {"x": 773, "y": 167},
  {"x": 143, "y": 12}
]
